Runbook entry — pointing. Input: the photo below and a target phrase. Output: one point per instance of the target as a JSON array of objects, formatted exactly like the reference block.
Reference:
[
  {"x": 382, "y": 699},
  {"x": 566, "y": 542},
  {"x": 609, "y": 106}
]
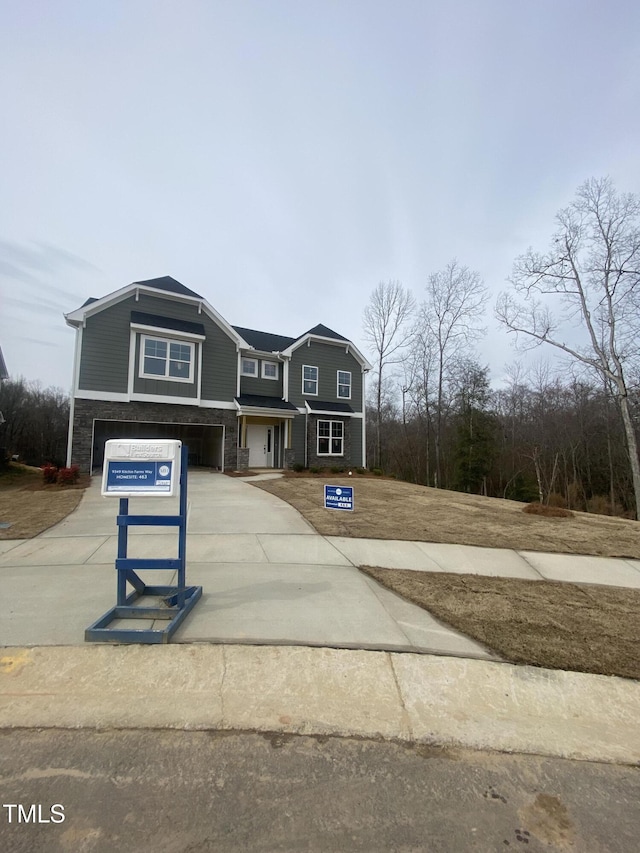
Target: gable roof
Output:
[
  {"x": 4, "y": 373},
  {"x": 174, "y": 290},
  {"x": 264, "y": 341},
  {"x": 324, "y": 332},
  {"x": 142, "y": 319},
  {"x": 166, "y": 282}
]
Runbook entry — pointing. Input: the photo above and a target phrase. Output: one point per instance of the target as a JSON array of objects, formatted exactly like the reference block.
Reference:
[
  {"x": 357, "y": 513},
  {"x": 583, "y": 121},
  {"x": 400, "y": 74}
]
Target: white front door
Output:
[{"x": 260, "y": 444}]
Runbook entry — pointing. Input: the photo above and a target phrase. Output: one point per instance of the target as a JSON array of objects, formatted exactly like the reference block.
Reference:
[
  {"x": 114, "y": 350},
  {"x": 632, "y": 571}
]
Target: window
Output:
[
  {"x": 309, "y": 380},
  {"x": 162, "y": 358},
  {"x": 269, "y": 370},
  {"x": 249, "y": 367},
  {"x": 330, "y": 438},
  {"x": 344, "y": 384}
]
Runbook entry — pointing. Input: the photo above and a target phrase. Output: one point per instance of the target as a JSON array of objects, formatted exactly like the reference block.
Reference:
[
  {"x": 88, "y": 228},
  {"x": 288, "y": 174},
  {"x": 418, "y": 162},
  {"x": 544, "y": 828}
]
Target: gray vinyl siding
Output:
[
  {"x": 328, "y": 359},
  {"x": 263, "y": 387},
  {"x": 165, "y": 387},
  {"x": 298, "y": 436},
  {"x": 356, "y": 443},
  {"x": 104, "y": 364},
  {"x": 104, "y": 359}
]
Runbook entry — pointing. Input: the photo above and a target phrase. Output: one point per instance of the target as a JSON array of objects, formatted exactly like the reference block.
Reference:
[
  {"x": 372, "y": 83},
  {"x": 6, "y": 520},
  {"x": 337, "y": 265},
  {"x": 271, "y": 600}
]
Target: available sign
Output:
[
  {"x": 338, "y": 497},
  {"x": 141, "y": 467}
]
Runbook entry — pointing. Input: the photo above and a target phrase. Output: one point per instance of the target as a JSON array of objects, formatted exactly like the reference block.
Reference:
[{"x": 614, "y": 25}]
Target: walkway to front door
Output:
[{"x": 260, "y": 444}]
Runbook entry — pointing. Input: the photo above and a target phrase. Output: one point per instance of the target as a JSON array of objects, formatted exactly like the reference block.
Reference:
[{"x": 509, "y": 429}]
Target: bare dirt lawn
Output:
[
  {"x": 29, "y": 506},
  {"x": 541, "y": 623},
  {"x": 389, "y": 509}
]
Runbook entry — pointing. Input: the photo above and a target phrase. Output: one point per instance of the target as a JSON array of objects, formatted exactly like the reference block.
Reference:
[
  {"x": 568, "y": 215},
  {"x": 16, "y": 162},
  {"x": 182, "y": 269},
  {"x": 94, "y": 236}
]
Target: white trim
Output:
[
  {"x": 332, "y": 412},
  {"x": 75, "y": 381},
  {"x": 73, "y": 318},
  {"x": 347, "y": 345},
  {"x": 199, "y": 376},
  {"x": 364, "y": 425},
  {"x": 133, "y": 336},
  {"x": 163, "y": 332},
  {"x": 336, "y": 414},
  {"x": 253, "y": 361},
  {"x": 316, "y": 380},
  {"x": 285, "y": 380},
  {"x": 261, "y": 411},
  {"x": 112, "y": 397},
  {"x": 330, "y": 437},
  {"x": 166, "y": 377},
  {"x": 238, "y": 374},
  {"x": 216, "y": 404},
  {"x": 105, "y": 396},
  {"x": 338, "y": 384},
  {"x": 263, "y": 363}
]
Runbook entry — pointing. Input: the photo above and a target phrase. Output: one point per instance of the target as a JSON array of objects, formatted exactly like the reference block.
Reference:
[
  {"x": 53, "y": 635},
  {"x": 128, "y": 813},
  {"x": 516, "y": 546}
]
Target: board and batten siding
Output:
[
  {"x": 104, "y": 363},
  {"x": 328, "y": 358}
]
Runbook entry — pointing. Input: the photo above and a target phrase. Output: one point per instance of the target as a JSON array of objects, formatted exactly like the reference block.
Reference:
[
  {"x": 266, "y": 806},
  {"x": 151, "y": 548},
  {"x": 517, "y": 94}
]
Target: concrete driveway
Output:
[{"x": 267, "y": 577}]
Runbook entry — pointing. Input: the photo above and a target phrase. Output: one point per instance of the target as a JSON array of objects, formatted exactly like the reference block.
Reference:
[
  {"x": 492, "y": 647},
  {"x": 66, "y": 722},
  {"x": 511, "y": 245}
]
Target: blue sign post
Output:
[
  {"x": 338, "y": 497},
  {"x": 173, "y": 602}
]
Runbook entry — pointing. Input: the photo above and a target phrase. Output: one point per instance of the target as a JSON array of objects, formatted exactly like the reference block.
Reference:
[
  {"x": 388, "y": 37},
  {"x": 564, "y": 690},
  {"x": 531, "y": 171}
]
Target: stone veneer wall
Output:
[
  {"x": 86, "y": 411},
  {"x": 312, "y": 443}
]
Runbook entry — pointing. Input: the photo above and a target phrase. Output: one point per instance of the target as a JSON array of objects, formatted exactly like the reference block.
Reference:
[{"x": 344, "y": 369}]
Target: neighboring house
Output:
[{"x": 155, "y": 360}]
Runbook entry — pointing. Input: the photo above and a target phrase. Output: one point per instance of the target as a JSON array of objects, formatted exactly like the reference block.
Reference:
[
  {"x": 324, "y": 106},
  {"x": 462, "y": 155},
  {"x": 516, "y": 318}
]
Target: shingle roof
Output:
[
  {"x": 320, "y": 406},
  {"x": 170, "y": 285},
  {"x": 264, "y": 341},
  {"x": 166, "y": 323},
  {"x": 257, "y": 401},
  {"x": 324, "y": 332}
]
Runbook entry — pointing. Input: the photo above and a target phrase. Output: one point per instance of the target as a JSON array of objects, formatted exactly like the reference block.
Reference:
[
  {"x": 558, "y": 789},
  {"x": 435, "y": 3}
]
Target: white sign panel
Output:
[{"x": 141, "y": 468}]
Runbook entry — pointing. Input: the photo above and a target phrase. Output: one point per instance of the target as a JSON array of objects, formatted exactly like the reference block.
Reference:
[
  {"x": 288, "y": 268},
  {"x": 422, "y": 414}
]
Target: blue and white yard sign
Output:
[
  {"x": 338, "y": 497},
  {"x": 141, "y": 467}
]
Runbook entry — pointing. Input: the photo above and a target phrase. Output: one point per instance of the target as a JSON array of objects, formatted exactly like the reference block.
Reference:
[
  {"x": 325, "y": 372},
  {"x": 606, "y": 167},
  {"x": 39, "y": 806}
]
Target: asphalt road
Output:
[{"x": 170, "y": 791}]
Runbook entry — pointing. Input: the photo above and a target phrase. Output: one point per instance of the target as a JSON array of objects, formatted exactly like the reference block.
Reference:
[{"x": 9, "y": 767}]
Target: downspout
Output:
[
  {"x": 364, "y": 423},
  {"x": 75, "y": 381}
]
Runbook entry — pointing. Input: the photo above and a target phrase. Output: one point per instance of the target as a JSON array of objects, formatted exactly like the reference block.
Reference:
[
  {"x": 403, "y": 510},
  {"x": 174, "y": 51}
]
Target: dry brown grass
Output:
[
  {"x": 391, "y": 509},
  {"x": 31, "y": 507},
  {"x": 547, "y": 511},
  {"x": 541, "y": 623}
]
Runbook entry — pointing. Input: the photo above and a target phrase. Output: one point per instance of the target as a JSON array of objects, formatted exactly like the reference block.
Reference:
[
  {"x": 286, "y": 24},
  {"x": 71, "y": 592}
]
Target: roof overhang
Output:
[
  {"x": 348, "y": 346},
  {"x": 78, "y": 318}
]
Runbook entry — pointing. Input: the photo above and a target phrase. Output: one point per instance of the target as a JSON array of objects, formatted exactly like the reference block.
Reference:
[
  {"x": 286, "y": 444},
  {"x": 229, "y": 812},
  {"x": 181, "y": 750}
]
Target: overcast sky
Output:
[{"x": 282, "y": 158}]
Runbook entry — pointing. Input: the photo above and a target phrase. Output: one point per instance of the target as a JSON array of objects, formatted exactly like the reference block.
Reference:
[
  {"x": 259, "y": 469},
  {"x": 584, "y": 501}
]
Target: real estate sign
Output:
[
  {"x": 338, "y": 497},
  {"x": 141, "y": 467}
]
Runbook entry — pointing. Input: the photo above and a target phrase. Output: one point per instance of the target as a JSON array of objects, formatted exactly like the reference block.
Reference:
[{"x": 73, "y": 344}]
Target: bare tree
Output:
[
  {"x": 386, "y": 328},
  {"x": 592, "y": 271},
  {"x": 451, "y": 316}
]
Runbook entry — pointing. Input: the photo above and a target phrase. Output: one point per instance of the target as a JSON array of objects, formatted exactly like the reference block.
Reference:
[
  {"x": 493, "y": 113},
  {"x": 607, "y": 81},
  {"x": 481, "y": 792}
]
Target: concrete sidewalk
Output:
[
  {"x": 267, "y": 576},
  {"x": 274, "y": 586},
  {"x": 419, "y": 698}
]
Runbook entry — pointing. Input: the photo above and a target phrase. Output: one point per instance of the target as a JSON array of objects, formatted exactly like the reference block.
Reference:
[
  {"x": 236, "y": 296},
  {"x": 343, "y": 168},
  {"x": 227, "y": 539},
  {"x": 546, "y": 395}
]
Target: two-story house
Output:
[{"x": 155, "y": 360}]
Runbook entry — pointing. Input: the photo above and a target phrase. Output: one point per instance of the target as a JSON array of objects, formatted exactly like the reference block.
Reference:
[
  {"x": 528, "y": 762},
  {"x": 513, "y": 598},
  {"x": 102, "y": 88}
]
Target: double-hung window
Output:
[
  {"x": 309, "y": 380},
  {"x": 344, "y": 384},
  {"x": 249, "y": 367},
  {"x": 269, "y": 369},
  {"x": 162, "y": 358},
  {"x": 330, "y": 438}
]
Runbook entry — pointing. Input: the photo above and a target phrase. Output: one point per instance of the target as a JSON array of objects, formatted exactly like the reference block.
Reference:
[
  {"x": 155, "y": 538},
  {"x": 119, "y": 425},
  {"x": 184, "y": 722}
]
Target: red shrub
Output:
[
  {"x": 69, "y": 476},
  {"x": 49, "y": 473}
]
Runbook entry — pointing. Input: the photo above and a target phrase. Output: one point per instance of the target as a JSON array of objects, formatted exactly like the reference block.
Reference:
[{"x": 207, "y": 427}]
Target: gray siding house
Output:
[{"x": 155, "y": 360}]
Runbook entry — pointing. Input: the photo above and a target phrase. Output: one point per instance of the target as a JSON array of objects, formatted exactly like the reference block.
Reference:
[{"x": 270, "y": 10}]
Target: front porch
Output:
[{"x": 264, "y": 433}]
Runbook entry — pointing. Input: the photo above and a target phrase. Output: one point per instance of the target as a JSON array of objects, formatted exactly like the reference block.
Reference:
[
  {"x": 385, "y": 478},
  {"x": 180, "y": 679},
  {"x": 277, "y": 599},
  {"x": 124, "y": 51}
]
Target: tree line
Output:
[
  {"x": 572, "y": 439},
  {"x": 35, "y": 422}
]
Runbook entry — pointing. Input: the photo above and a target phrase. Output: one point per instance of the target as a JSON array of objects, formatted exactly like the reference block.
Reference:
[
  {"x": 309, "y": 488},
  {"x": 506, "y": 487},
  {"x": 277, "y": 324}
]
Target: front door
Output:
[{"x": 260, "y": 444}]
